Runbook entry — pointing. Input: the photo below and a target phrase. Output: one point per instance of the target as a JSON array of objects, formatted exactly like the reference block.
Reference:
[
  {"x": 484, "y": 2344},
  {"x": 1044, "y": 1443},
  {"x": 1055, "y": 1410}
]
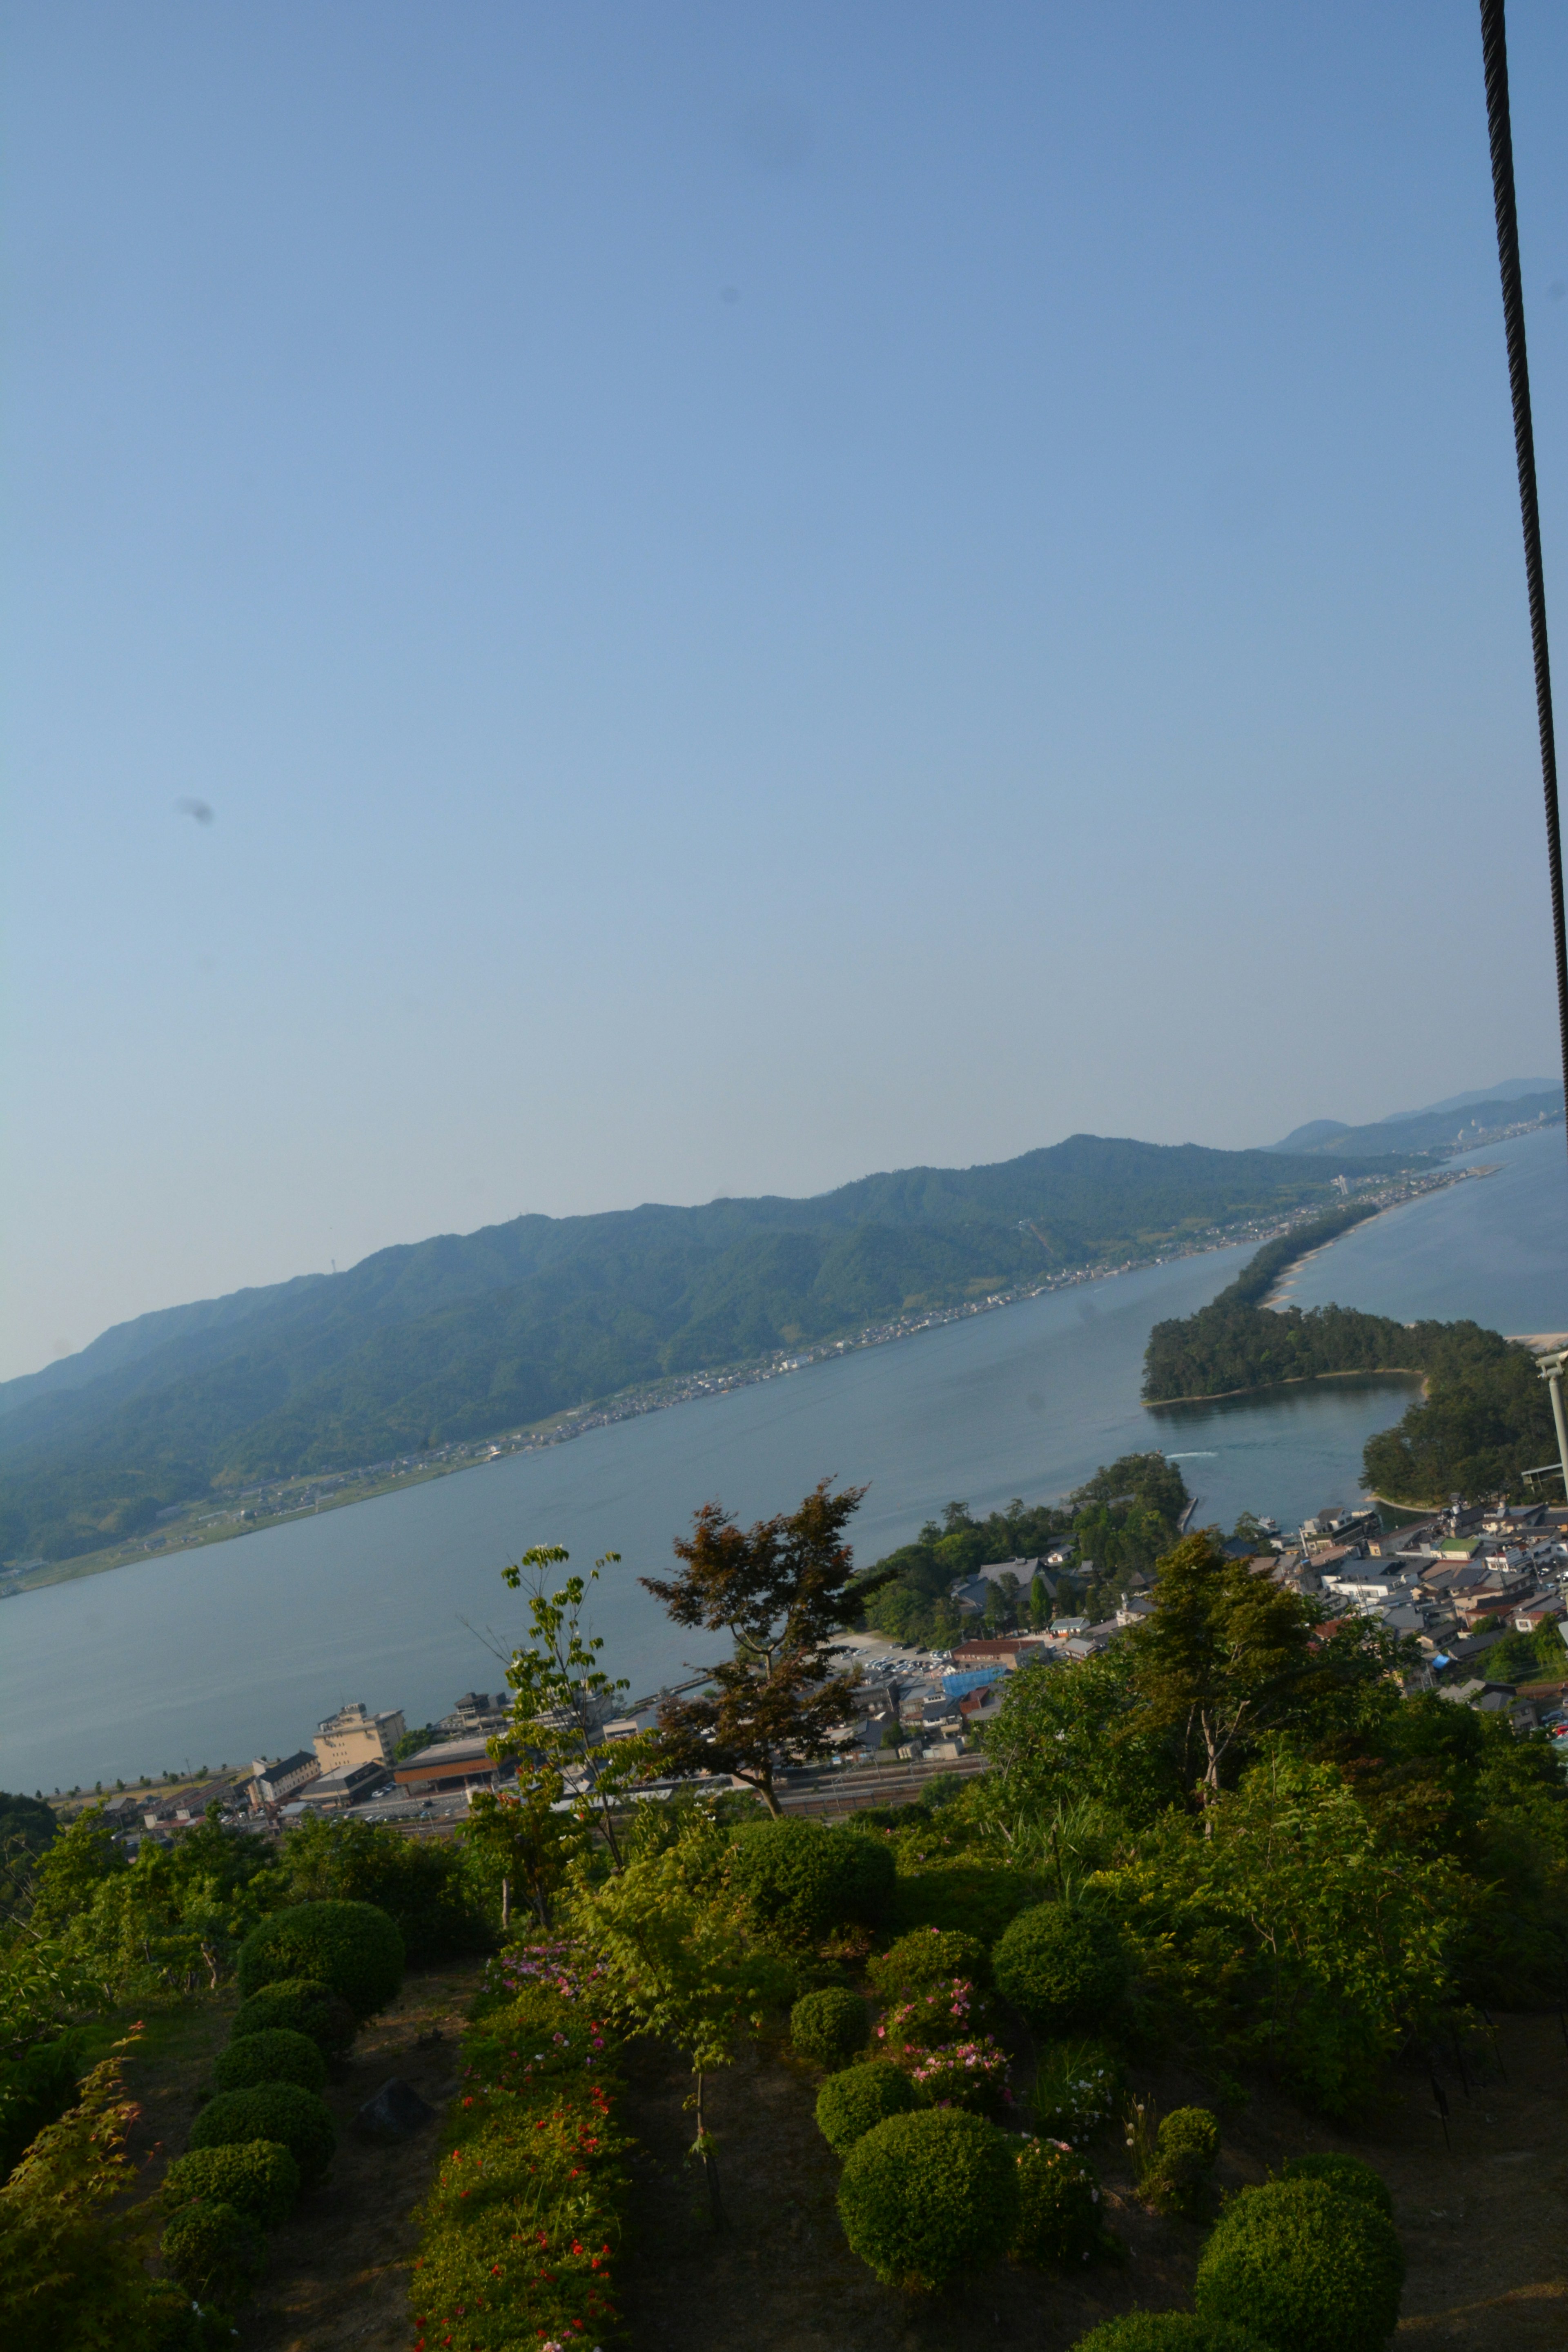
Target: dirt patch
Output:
[
  {"x": 338, "y": 2269},
  {"x": 1485, "y": 2226}
]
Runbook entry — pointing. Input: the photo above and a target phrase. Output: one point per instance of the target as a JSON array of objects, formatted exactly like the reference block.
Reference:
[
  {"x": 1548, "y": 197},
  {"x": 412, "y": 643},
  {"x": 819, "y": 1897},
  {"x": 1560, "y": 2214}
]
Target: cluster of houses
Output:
[{"x": 1457, "y": 1583}]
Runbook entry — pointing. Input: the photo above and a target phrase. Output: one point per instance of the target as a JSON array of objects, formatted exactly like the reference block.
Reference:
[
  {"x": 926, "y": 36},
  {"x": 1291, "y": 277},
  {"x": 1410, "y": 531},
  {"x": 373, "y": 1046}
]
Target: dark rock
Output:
[{"x": 397, "y": 2111}]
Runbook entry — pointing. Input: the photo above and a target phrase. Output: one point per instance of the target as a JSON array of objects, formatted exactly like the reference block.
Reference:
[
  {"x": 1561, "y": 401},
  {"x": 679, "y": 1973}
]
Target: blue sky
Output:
[{"x": 755, "y": 593}]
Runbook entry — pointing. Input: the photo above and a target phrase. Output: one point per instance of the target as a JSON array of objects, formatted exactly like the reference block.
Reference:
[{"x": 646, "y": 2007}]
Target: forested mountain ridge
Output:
[{"x": 465, "y": 1336}]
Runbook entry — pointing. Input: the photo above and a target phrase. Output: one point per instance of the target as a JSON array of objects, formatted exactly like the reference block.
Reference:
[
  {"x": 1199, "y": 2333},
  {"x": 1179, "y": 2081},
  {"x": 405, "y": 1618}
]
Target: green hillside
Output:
[{"x": 463, "y": 1336}]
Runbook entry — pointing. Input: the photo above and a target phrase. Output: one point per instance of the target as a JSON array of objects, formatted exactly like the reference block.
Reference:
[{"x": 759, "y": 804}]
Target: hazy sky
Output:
[{"x": 755, "y": 593}]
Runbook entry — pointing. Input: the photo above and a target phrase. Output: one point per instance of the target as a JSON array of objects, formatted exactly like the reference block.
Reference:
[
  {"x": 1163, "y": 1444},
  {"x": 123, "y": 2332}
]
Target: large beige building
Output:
[{"x": 354, "y": 1736}]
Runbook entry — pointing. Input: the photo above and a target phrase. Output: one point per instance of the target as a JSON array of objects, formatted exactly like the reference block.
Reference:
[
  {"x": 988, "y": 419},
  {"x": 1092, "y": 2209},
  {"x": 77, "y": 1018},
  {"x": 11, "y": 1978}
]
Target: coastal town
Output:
[{"x": 1464, "y": 1588}]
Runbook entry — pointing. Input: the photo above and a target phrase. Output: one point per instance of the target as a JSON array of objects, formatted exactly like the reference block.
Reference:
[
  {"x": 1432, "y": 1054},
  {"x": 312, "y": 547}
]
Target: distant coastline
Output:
[{"x": 283, "y": 1502}]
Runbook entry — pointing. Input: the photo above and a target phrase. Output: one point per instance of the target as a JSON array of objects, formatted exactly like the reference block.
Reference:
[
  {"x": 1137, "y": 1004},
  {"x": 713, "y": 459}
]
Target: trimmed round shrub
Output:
[
  {"x": 276, "y": 2054},
  {"x": 850, "y": 2105},
  {"x": 1166, "y": 2331},
  {"x": 1348, "y": 2174},
  {"x": 929, "y": 1956},
  {"x": 215, "y": 2251},
  {"x": 829, "y": 2026},
  {"x": 800, "y": 1880},
  {"x": 1061, "y": 2220},
  {"x": 1186, "y": 2153},
  {"x": 257, "y": 2176},
  {"x": 352, "y": 1949},
  {"x": 301, "y": 2006},
  {"x": 1061, "y": 1968},
  {"x": 296, "y": 2118},
  {"x": 1304, "y": 2268},
  {"x": 927, "y": 2198}
]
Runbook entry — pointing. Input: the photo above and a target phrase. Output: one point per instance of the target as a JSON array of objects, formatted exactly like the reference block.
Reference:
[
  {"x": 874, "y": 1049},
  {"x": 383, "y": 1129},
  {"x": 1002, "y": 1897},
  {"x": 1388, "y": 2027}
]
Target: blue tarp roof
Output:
[{"x": 976, "y": 1678}]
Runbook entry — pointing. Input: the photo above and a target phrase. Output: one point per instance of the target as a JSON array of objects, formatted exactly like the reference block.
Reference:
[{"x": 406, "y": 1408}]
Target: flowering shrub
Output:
[
  {"x": 1061, "y": 2222},
  {"x": 519, "y": 2233},
  {"x": 1077, "y": 2087},
  {"x": 946, "y": 2012},
  {"x": 964, "y": 2074}
]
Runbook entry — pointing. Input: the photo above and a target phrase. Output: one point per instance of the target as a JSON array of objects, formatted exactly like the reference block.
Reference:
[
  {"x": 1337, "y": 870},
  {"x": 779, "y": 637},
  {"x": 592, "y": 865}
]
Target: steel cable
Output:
[{"x": 1494, "y": 53}]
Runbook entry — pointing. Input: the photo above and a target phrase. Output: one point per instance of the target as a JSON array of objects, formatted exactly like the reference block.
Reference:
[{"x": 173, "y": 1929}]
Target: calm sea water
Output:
[{"x": 213, "y": 1656}]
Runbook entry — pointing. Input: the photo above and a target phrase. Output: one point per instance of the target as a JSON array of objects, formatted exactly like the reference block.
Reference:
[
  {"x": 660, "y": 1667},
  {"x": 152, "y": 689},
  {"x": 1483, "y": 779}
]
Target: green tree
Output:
[
  {"x": 1226, "y": 1657},
  {"x": 784, "y": 1591},
  {"x": 519, "y": 1844},
  {"x": 677, "y": 1962},
  {"x": 561, "y": 1697}
]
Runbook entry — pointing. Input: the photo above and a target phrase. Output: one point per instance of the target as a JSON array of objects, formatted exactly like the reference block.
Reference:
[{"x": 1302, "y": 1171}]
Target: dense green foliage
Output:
[
  {"x": 1485, "y": 1420},
  {"x": 352, "y": 1949},
  {"x": 458, "y": 1339},
  {"x": 928, "y": 1955},
  {"x": 850, "y": 2105},
  {"x": 272, "y": 2054},
  {"x": 1304, "y": 2269},
  {"x": 426, "y": 1886},
  {"x": 1186, "y": 2150},
  {"x": 70, "y": 2273},
  {"x": 925, "y": 2198},
  {"x": 1345, "y": 2174},
  {"x": 296, "y": 2118},
  {"x": 521, "y": 2228},
  {"x": 1166, "y": 2331},
  {"x": 298, "y": 2006},
  {"x": 1121, "y": 1520},
  {"x": 215, "y": 2249},
  {"x": 36, "y": 2086},
  {"x": 260, "y": 2176},
  {"x": 798, "y": 1879},
  {"x": 829, "y": 2026},
  {"x": 1061, "y": 2218},
  {"x": 1062, "y": 1967}
]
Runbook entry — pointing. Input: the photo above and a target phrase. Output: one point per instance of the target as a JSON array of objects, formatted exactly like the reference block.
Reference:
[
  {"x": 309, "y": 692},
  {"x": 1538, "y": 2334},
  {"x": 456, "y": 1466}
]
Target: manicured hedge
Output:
[
  {"x": 1304, "y": 2268},
  {"x": 1186, "y": 2153},
  {"x": 925, "y": 2198},
  {"x": 298, "y": 2119},
  {"x": 215, "y": 2251},
  {"x": 276, "y": 2054},
  {"x": 352, "y": 1949},
  {"x": 829, "y": 2026},
  {"x": 1348, "y": 2174},
  {"x": 1166, "y": 2331},
  {"x": 301, "y": 2007},
  {"x": 850, "y": 2105},
  {"x": 929, "y": 1956},
  {"x": 1061, "y": 1968},
  {"x": 259, "y": 2176},
  {"x": 800, "y": 1880}
]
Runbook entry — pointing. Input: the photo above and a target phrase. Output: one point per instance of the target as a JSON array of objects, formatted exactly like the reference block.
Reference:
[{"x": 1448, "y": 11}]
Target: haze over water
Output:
[{"x": 215, "y": 1655}]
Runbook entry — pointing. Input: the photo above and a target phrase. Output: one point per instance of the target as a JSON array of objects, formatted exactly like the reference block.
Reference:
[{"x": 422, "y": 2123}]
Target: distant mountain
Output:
[
  {"x": 1510, "y": 1090},
  {"x": 466, "y": 1336},
  {"x": 1443, "y": 1127}
]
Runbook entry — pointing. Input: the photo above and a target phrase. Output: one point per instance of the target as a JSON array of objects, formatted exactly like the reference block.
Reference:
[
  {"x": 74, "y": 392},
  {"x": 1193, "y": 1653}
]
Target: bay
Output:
[{"x": 214, "y": 1656}]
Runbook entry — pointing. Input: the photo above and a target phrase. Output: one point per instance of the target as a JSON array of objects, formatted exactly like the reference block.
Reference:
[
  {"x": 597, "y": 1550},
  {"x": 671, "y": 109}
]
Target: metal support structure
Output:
[
  {"x": 1550, "y": 1368},
  {"x": 1494, "y": 52}
]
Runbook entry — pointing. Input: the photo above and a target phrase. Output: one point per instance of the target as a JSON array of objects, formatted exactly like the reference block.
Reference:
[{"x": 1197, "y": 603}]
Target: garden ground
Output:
[{"x": 1485, "y": 2228}]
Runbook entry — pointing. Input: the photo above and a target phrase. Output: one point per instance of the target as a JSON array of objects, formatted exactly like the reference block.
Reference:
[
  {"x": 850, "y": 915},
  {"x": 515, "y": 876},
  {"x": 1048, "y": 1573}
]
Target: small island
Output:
[{"x": 1483, "y": 1418}]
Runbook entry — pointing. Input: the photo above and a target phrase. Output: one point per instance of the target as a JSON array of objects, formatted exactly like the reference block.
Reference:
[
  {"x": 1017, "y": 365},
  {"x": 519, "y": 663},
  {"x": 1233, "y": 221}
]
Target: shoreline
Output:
[
  {"x": 1295, "y": 1380},
  {"x": 368, "y": 1484}
]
